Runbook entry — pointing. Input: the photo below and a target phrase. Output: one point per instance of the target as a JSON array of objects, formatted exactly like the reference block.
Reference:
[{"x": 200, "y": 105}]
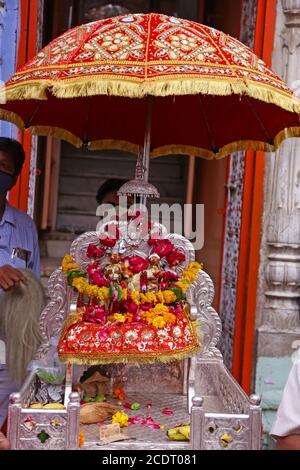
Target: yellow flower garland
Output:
[
  {"x": 189, "y": 275},
  {"x": 68, "y": 264},
  {"x": 102, "y": 293}
]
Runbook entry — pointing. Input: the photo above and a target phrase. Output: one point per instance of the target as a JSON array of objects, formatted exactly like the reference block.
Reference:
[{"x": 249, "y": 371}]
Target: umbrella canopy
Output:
[{"x": 211, "y": 94}]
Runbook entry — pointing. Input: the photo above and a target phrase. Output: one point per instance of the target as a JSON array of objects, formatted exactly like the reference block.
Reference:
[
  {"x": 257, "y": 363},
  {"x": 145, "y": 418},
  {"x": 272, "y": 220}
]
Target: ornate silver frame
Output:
[{"x": 222, "y": 416}]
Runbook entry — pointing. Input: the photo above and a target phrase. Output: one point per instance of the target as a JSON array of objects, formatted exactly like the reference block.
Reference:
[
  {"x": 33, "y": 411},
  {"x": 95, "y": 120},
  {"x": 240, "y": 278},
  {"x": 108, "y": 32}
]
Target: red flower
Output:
[
  {"x": 98, "y": 280},
  {"x": 154, "y": 237},
  {"x": 94, "y": 252},
  {"x": 170, "y": 276},
  {"x": 95, "y": 315},
  {"x": 176, "y": 257},
  {"x": 137, "y": 263},
  {"x": 162, "y": 248},
  {"x": 129, "y": 306},
  {"x": 146, "y": 306}
]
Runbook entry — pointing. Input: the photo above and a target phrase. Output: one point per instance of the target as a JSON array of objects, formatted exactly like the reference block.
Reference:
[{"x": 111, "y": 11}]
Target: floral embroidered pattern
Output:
[{"x": 141, "y": 46}]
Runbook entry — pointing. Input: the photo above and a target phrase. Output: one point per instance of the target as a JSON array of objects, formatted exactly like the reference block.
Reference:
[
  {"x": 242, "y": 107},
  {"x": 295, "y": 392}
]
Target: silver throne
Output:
[{"x": 200, "y": 390}]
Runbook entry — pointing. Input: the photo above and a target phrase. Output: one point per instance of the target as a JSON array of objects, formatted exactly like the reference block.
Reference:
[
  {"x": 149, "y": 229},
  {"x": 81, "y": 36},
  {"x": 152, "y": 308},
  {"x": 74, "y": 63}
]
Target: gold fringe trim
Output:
[
  {"x": 285, "y": 134},
  {"x": 28, "y": 90},
  {"x": 178, "y": 149},
  {"x": 111, "y": 144},
  {"x": 182, "y": 150},
  {"x": 121, "y": 358},
  {"x": 134, "y": 87},
  {"x": 56, "y": 132},
  {"x": 166, "y": 150},
  {"x": 11, "y": 117}
]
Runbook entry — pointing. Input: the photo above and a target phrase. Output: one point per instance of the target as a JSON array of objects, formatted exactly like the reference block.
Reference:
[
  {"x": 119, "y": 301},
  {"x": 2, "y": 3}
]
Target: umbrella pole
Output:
[{"x": 147, "y": 139}]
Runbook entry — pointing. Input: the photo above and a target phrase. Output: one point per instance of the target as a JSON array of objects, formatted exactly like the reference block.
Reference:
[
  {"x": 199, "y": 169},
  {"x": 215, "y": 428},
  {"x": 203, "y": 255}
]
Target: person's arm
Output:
[
  {"x": 291, "y": 442},
  {"x": 10, "y": 277},
  {"x": 286, "y": 427}
]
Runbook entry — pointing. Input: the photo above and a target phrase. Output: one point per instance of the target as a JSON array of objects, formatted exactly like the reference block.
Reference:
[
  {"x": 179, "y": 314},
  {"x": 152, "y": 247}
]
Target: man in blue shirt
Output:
[{"x": 18, "y": 244}]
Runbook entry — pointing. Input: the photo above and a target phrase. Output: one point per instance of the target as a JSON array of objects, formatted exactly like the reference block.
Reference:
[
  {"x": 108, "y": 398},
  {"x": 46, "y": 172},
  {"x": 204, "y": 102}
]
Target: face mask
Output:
[{"x": 6, "y": 182}]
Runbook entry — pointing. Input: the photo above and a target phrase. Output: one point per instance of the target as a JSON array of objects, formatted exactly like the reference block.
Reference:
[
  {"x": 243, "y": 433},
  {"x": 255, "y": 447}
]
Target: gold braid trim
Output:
[{"x": 134, "y": 87}]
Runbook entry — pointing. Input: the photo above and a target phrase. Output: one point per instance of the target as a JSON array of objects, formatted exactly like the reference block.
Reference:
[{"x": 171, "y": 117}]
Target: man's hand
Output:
[
  {"x": 4, "y": 443},
  {"x": 11, "y": 277}
]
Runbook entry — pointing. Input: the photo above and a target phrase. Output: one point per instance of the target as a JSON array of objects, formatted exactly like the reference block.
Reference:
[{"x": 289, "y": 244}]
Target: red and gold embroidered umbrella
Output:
[{"x": 211, "y": 94}]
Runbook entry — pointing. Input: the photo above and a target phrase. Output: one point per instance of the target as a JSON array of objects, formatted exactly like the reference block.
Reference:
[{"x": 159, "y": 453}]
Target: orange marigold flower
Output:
[
  {"x": 159, "y": 309},
  {"x": 119, "y": 393},
  {"x": 169, "y": 318},
  {"x": 160, "y": 297},
  {"x": 80, "y": 438},
  {"x": 169, "y": 296}
]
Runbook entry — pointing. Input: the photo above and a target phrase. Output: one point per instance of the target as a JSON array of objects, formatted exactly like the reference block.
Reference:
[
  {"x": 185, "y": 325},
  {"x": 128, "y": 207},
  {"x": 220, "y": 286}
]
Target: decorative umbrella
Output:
[{"x": 211, "y": 95}]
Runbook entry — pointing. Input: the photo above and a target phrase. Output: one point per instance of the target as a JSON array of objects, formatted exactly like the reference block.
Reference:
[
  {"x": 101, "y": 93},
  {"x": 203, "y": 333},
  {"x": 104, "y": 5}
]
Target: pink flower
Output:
[
  {"x": 170, "y": 276},
  {"x": 115, "y": 295},
  {"x": 129, "y": 306},
  {"x": 146, "y": 306},
  {"x": 110, "y": 236},
  {"x": 137, "y": 264},
  {"x": 136, "y": 318},
  {"x": 98, "y": 280},
  {"x": 154, "y": 426},
  {"x": 162, "y": 248},
  {"x": 94, "y": 252},
  {"x": 102, "y": 335},
  {"x": 92, "y": 268},
  {"x": 149, "y": 420},
  {"x": 135, "y": 420},
  {"x": 154, "y": 237}
]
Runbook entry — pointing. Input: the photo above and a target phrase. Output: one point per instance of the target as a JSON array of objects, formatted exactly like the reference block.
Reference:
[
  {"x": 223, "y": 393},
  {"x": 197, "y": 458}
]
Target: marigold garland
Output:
[
  {"x": 189, "y": 275},
  {"x": 159, "y": 316},
  {"x": 81, "y": 439},
  {"x": 68, "y": 264},
  {"x": 103, "y": 294}
]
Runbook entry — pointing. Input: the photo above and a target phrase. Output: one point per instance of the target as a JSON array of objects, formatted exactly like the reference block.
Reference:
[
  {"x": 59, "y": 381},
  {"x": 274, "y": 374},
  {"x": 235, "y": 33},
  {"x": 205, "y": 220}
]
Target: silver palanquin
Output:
[{"x": 200, "y": 390}]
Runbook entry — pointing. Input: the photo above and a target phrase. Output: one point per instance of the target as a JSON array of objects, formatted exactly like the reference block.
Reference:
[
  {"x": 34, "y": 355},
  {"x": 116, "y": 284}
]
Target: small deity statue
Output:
[
  {"x": 153, "y": 273},
  {"x": 114, "y": 270}
]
